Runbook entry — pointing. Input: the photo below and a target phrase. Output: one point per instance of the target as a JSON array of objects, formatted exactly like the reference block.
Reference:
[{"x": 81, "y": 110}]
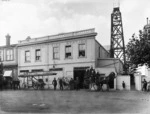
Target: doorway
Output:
[
  {"x": 132, "y": 81},
  {"x": 80, "y": 72}
]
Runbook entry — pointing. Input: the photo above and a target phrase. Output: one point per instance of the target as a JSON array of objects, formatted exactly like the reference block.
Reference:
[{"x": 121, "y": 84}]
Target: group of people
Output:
[
  {"x": 91, "y": 77},
  {"x": 9, "y": 83},
  {"x": 71, "y": 84}
]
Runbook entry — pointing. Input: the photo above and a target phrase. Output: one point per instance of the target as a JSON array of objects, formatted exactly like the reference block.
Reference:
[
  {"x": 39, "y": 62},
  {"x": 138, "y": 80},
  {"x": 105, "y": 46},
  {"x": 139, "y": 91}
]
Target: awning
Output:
[
  {"x": 8, "y": 73},
  {"x": 44, "y": 73}
]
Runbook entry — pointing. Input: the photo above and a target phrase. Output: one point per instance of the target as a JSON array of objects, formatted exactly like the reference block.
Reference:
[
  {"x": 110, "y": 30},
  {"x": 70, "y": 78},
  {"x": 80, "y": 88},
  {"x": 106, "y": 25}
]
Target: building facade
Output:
[
  {"x": 67, "y": 54},
  {"x": 8, "y": 56}
]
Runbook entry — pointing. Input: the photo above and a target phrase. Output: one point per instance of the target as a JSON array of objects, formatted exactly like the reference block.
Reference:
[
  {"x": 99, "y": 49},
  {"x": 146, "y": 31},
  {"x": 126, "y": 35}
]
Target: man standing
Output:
[
  {"x": 144, "y": 85},
  {"x": 54, "y": 83},
  {"x": 61, "y": 84},
  {"x": 123, "y": 85}
]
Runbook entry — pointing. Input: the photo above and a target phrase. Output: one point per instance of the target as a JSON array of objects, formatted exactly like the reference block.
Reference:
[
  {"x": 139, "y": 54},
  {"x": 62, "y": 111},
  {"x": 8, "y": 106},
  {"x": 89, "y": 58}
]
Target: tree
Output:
[{"x": 138, "y": 50}]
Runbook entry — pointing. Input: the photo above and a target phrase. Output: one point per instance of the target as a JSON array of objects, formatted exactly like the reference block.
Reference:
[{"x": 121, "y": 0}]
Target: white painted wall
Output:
[
  {"x": 138, "y": 81},
  {"x": 119, "y": 79},
  {"x": 47, "y": 60},
  {"x": 110, "y": 63}
]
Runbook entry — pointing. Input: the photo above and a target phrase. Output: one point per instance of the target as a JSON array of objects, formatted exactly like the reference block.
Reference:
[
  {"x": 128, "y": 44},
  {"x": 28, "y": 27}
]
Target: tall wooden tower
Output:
[{"x": 117, "y": 47}]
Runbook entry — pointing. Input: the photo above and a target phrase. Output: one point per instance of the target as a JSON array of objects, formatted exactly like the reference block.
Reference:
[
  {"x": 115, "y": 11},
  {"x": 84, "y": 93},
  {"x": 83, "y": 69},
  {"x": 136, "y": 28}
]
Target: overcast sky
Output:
[{"x": 35, "y": 18}]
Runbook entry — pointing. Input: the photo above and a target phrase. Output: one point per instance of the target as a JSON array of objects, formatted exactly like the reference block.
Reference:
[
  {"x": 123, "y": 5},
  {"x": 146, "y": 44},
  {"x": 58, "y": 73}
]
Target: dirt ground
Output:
[{"x": 83, "y": 101}]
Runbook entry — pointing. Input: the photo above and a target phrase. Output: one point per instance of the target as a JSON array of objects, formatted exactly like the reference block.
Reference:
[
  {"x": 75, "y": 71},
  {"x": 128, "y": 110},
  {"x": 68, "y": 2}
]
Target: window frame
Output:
[
  {"x": 36, "y": 54},
  {"x": 81, "y": 50},
  {"x": 70, "y": 57},
  {"x": 57, "y": 52},
  {"x": 10, "y": 56},
  {"x": 26, "y": 56}
]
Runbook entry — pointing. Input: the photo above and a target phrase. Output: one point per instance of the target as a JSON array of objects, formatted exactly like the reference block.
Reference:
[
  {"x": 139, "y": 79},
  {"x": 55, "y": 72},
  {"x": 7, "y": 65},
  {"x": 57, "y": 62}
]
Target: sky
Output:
[{"x": 36, "y": 18}]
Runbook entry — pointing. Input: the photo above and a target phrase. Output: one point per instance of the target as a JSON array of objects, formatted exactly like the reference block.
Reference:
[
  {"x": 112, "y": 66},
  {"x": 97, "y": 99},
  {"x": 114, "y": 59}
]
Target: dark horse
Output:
[
  {"x": 98, "y": 80},
  {"x": 106, "y": 80}
]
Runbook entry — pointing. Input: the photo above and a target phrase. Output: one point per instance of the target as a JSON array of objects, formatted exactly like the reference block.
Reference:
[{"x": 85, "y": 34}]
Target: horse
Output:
[
  {"x": 97, "y": 82},
  {"x": 107, "y": 80},
  {"x": 66, "y": 82},
  {"x": 39, "y": 84}
]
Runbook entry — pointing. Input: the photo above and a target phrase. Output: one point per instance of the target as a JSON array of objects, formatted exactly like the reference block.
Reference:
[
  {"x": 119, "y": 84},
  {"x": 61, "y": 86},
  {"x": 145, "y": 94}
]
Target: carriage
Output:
[{"x": 34, "y": 80}]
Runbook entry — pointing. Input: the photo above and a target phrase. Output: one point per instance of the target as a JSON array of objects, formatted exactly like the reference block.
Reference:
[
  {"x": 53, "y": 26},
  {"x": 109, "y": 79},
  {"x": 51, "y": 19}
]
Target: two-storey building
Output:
[
  {"x": 8, "y": 56},
  {"x": 67, "y": 54}
]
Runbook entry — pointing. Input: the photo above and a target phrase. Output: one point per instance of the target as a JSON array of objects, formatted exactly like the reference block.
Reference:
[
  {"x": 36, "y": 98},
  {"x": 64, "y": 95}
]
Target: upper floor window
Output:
[
  {"x": 9, "y": 55},
  {"x": 27, "y": 56},
  {"x": 37, "y": 54},
  {"x": 68, "y": 51},
  {"x": 1, "y": 56},
  {"x": 55, "y": 53},
  {"x": 81, "y": 50}
]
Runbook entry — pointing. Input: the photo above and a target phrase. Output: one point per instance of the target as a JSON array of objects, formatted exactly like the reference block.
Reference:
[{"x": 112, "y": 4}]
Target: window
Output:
[
  {"x": 55, "y": 53},
  {"x": 1, "y": 56},
  {"x": 37, "y": 54},
  {"x": 81, "y": 50},
  {"x": 99, "y": 52},
  {"x": 68, "y": 51},
  {"x": 9, "y": 55},
  {"x": 27, "y": 56}
]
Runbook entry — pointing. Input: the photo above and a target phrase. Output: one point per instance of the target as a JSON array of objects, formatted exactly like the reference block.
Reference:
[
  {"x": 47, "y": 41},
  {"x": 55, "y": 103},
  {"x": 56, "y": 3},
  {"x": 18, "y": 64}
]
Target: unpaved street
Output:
[{"x": 83, "y": 101}]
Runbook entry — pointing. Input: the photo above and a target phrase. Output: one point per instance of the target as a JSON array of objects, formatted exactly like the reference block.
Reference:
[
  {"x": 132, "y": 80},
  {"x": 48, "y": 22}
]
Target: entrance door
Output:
[
  {"x": 132, "y": 81},
  {"x": 80, "y": 72}
]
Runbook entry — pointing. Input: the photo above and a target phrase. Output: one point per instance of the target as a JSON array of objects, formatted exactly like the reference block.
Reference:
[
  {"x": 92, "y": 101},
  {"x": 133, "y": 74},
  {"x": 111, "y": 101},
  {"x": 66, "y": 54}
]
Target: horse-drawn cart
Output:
[{"x": 34, "y": 80}]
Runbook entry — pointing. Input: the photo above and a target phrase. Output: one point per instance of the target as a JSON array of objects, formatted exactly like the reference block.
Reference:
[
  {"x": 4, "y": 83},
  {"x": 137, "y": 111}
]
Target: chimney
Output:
[
  {"x": 147, "y": 20},
  {"x": 8, "y": 40}
]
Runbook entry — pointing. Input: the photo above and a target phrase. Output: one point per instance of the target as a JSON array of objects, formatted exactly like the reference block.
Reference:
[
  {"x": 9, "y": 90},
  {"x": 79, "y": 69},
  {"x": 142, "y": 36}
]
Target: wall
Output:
[
  {"x": 100, "y": 52},
  {"x": 119, "y": 79},
  {"x": 47, "y": 60},
  {"x": 138, "y": 81},
  {"x": 110, "y": 63},
  {"x": 89, "y": 41}
]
